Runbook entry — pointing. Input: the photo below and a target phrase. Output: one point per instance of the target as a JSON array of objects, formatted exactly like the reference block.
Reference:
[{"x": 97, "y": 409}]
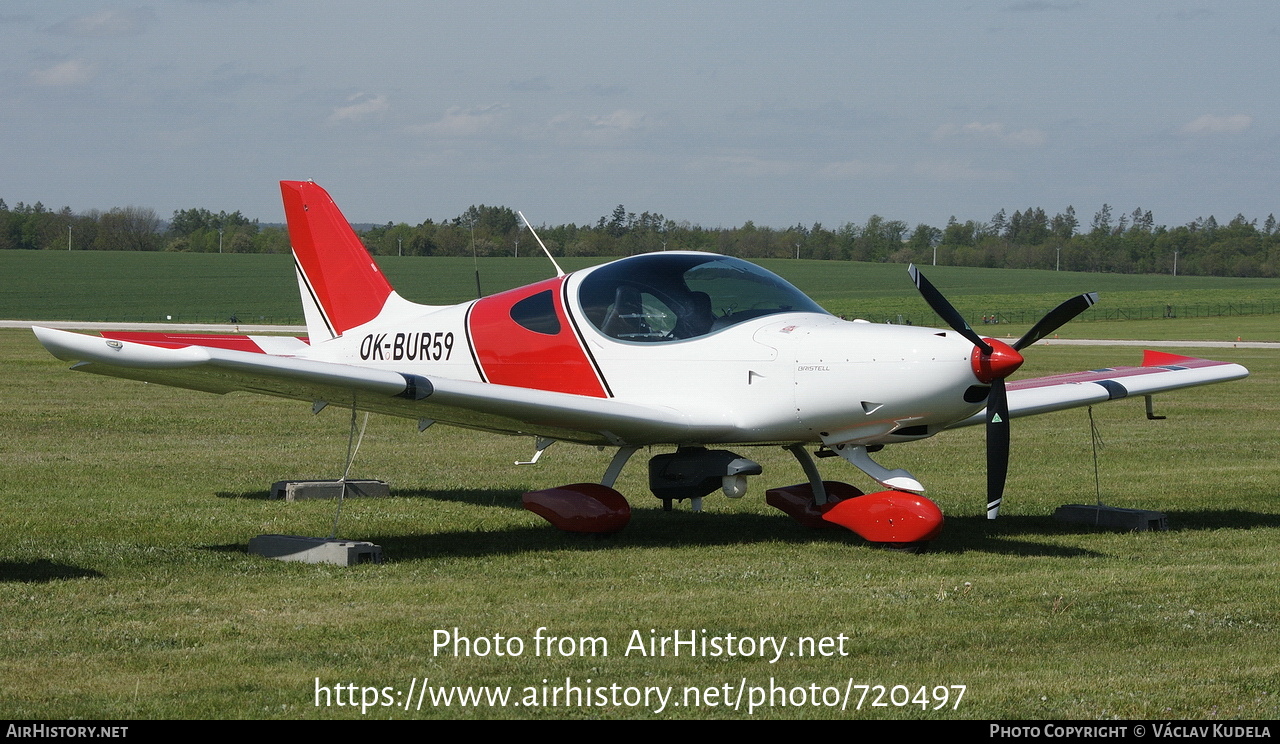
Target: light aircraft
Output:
[{"x": 692, "y": 350}]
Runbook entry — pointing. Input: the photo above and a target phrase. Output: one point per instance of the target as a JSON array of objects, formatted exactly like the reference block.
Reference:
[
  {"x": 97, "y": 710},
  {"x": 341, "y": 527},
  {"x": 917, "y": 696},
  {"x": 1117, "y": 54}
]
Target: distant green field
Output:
[
  {"x": 127, "y": 593},
  {"x": 200, "y": 287}
]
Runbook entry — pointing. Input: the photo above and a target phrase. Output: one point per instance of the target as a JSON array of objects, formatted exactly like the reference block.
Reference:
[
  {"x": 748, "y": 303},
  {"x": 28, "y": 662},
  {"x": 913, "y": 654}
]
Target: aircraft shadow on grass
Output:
[
  {"x": 652, "y": 528},
  {"x": 1218, "y": 519},
  {"x": 42, "y": 571},
  {"x": 478, "y": 496},
  {"x": 687, "y": 530},
  {"x": 1191, "y": 520}
]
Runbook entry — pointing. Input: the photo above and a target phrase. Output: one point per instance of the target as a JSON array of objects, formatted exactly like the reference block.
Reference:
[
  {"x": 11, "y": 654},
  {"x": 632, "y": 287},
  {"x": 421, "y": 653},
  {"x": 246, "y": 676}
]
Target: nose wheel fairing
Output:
[{"x": 892, "y": 518}]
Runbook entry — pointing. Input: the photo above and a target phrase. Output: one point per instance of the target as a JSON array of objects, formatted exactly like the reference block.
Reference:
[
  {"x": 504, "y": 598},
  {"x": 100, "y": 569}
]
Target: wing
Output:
[
  {"x": 225, "y": 364},
  {"x": 1159, "y": 373}
]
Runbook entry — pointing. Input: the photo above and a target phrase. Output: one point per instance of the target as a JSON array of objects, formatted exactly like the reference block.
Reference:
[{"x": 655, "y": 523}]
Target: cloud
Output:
[
  {"x": 71, "y": 72},
  {"x": 363, "y": 106},
  {"x": 994, "y": 131},
  {"x": 606, "y": 91},
  {"x": 537, "y": 84},
  {"x": 463, "y": 122},
  {"x": 1209, "y": 124},
  {"x": 958, "y": 171},
  {"x": 1037, "y": 6},
  {"x": 106, "y": 23},
  {"x": 621, "y": 119},
  {"x": 853, "y": 169},
  {"x": 832, "y": 114},
  {"x": 749, "y": 166}
]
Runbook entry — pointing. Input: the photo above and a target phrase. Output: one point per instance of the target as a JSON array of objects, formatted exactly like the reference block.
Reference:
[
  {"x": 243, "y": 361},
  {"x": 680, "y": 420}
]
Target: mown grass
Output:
[{"x": 127, "y": 592}]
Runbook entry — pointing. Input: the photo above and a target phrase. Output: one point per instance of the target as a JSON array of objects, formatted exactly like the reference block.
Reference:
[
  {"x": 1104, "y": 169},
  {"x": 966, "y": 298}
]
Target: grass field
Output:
[
  {"x": 200, "y": 287},
  {"x": 127, "y": 591}
]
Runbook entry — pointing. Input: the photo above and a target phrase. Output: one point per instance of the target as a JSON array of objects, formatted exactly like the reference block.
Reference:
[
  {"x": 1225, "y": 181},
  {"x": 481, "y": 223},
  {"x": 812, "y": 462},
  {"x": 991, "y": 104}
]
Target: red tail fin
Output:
[{"x": 344, "y": 282}]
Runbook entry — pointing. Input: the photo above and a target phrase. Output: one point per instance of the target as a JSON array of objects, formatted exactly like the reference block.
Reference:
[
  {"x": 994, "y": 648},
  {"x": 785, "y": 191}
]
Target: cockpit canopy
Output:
[{"x": 661, "y": 297}]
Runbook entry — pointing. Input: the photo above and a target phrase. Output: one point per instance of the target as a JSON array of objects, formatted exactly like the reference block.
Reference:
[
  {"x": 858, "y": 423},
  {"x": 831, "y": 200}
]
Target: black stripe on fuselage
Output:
[
  {"x": 577, "y": 333},
  {"x": 471, "y": 347}
]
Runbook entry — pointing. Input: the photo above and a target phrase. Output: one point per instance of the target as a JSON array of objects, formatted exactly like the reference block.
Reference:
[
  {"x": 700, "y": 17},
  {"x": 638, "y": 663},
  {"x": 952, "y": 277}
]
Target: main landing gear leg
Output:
[
  {"x": 615, "y": 465},
  {"x": 810, "y": 472},
  {"x": 807, "y": 502}
]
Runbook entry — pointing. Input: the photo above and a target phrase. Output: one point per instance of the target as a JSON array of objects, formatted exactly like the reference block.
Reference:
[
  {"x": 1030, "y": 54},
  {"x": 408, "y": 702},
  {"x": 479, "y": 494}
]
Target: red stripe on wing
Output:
[
  {"x": 179, "y": 340},
  {"x": 1153, "y": 362}
]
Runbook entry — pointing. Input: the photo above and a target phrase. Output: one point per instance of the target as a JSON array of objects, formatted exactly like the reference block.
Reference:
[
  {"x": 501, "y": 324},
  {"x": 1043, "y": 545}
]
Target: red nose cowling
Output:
[{"x": 1003, "y": 361}]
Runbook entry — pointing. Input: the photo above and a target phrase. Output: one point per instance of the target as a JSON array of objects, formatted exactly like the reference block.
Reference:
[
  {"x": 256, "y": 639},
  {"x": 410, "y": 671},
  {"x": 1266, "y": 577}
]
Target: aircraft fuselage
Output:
[{"x": 778, "y": 376}]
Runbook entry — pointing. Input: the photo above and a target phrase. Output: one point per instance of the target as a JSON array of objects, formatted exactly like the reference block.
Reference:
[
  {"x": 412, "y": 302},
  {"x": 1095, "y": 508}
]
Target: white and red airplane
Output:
[{"x": 694, "y": 350}]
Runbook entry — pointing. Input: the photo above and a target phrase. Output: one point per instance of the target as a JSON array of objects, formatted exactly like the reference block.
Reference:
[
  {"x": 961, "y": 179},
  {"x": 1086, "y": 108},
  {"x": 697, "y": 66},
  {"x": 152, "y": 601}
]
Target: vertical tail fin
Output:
[{"x": 341, "y": 285}]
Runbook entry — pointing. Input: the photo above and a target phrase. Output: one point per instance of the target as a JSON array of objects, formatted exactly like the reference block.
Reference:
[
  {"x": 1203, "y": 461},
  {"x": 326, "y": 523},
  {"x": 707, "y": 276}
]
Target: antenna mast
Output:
[{"x": 559, "y": 271}]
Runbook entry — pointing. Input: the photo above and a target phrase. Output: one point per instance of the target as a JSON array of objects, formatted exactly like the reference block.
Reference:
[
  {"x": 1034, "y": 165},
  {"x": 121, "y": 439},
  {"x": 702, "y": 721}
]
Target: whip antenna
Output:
[{"x": 559, "y": 271}]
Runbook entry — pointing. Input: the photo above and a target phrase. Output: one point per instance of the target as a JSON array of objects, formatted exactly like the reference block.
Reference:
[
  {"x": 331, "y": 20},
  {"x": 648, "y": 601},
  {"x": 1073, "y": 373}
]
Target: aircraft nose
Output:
[{"x": 1003, "y": 361}]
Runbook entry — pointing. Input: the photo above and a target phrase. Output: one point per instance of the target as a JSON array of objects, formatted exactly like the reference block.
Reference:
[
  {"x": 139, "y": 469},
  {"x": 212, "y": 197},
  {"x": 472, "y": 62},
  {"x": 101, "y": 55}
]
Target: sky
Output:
[{"x": 714, "y": 113}]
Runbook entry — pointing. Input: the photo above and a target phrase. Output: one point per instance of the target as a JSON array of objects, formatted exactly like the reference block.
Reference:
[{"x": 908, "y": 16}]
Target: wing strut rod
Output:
[
  {"x": 353, "y": 446},
  {"x": 1096, "y": 436}
]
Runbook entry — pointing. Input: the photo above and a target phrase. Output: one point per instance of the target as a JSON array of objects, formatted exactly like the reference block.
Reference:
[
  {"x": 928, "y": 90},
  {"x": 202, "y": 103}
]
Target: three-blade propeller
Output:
[{"x": 993, "y": 361}]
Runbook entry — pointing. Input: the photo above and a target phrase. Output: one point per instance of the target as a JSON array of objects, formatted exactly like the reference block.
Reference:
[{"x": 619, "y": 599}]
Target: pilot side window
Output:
[
  {"x": 637, "y": 315},
  {"x": 537, "y": 313}
]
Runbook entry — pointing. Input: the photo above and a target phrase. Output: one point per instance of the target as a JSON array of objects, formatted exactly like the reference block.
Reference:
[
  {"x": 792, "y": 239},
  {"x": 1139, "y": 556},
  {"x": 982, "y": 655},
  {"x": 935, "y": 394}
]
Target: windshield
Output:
[{"x": 670, "y": 297}]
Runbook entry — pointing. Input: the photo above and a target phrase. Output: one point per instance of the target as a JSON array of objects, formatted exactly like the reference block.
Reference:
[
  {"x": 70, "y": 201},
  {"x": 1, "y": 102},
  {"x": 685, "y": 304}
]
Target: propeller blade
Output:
[
  {"x": 945, "y": 310},
  {"x": 1056, "y": 318},
  {"x": 997, "y": 446},
  {"x": 994, "y": 365}
]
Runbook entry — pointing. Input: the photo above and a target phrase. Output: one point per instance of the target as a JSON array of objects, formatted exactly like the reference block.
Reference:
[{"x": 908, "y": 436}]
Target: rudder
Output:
[{"x": 341, "y": 285}]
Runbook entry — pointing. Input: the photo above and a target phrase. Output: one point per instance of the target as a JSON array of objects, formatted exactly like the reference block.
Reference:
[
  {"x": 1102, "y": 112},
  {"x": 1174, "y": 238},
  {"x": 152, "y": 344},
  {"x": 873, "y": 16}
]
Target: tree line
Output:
[
  {"x": 35, "y": 227},
  {"x": 1129, "y": 242}
]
